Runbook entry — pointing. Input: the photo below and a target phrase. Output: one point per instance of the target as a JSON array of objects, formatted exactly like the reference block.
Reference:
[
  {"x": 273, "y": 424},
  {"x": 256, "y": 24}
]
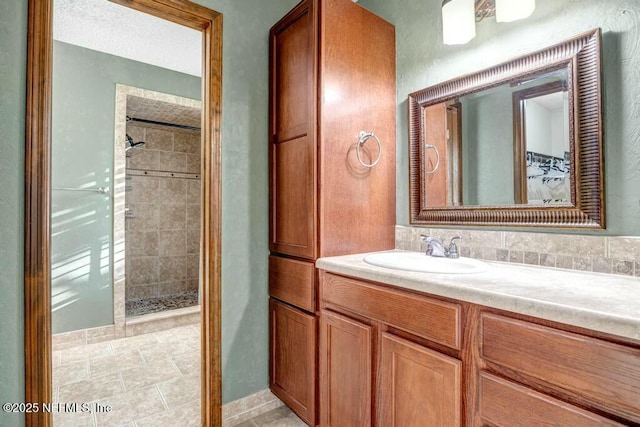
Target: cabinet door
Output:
[
  {"x": 292, "y": 149},
  {"x": 292, "y": 364},
  {"x": 345, "y": 372},
  {"x": 418, "y": 386}
]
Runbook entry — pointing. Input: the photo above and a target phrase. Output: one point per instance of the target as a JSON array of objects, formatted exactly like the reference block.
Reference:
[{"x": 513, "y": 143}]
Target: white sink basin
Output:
[{"x": 415, "y": 261}]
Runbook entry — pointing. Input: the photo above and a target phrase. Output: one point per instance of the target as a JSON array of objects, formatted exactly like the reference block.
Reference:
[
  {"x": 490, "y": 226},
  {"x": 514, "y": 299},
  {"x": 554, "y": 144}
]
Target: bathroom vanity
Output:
[{"x": 511, "y": 345}]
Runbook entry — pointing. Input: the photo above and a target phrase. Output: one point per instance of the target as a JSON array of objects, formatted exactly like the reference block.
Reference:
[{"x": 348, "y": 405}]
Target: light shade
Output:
[
  {"x": 512, "y": 10},
  {"x": 458, "y": 21}
]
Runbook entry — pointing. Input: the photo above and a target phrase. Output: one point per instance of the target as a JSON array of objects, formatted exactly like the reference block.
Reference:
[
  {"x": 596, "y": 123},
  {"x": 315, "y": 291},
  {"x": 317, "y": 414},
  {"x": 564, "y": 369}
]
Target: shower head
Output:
[{"x": 131, "y": 145}]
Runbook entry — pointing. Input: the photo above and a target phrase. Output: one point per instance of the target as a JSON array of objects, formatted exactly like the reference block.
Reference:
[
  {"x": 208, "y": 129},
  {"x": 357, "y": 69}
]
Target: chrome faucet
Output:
[{"x": 437, "y": 249}]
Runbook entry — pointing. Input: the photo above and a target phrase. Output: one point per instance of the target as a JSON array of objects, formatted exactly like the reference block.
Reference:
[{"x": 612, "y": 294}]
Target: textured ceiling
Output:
[
  {"x": 159, "y": 111},
  {"x": 107, "y": 27}
]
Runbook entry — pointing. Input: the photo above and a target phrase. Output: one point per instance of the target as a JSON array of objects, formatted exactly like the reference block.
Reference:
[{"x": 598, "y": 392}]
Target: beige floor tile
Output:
[
  {"x": 187, "y": 415},
  {"x": 71, "y": 419},
  {"x": 167, "y": 350},
  {"x": 281, "y": 417},
  {"x": 180, "y": 391},
  {"x": 114, "y": 363},
  {"x": 71, "y": 373},
  {"x": 189, "y": 363},
  {"x": 132, "y": 343},
  {"x": 147, "y": 375},
  {"x": 85, "y": 352},
  {"x": 56, "y": 358},
  {"x": 90, "y": 390},
  {"x": 126, "y": 407}
]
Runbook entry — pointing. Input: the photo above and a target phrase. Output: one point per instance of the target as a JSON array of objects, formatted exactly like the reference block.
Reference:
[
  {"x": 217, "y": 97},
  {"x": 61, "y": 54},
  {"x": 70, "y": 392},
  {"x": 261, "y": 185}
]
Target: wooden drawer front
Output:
[
  {"x": 292, "y": 358},
  {"x": 607, "y": 375},
  {"x": 429, "y": 318},
  {"x": 345, "y": 371},
  {"x": 418, "y": 386},
  {"x": 503, "y": 403},
  {"x": 293, "y": 282}
]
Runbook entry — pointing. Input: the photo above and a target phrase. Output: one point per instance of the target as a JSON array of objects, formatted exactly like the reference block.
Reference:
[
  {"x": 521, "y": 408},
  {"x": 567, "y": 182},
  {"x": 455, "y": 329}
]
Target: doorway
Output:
[{"x": 38, "y": 200}]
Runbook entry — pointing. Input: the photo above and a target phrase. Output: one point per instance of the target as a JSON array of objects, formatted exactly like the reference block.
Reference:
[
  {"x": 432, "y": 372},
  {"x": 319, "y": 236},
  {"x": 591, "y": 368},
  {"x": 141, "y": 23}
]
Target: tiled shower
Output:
[{"x": 162, "y": 217}]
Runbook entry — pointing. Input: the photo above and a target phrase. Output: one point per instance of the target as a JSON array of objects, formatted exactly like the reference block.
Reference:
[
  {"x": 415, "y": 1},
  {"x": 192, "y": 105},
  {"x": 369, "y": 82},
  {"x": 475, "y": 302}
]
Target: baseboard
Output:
[{"x": 241, "y": 410}]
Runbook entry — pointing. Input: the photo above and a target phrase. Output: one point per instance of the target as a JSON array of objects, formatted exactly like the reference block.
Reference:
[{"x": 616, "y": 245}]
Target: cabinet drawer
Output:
[
  {"x": 293, "y": 282},
  {"x": 503, "y": 403},
  {"x": 429, "y": 318},
  {"x": 605, "y": 374}
]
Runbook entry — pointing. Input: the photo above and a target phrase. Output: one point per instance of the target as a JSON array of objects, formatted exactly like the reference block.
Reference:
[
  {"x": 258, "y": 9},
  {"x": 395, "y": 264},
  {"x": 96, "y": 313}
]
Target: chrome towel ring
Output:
[
  {"x": 363, "y": 138},
  {"x": 434, "y": 148}
]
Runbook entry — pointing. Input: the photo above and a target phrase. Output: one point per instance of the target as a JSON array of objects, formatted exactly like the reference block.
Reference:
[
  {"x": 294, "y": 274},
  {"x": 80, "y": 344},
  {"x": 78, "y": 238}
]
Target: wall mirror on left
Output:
[
  {"x": 517, "y": 144},
  {"x": 123, "y": 227}
]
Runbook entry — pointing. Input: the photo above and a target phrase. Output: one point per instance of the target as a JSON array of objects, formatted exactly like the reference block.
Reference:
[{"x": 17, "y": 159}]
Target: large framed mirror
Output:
[{"x": 518, "y": 144}]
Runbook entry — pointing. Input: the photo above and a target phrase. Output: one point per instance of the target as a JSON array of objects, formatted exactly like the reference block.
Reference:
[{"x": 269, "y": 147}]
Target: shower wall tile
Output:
[
  {"x": 170, "y": 161},
  {"x": 193, "y": 191},
  {"x": 172, "y": 191},
  {"x": 187, "y": 142},
  {"x": 142, "y": 243},
  {"x": 143, "y": 270},
  {"x": 173, "y": 268},
  {"x": 172, "y": 242},
  {"x": 163, "y": 229},
  {"x": 193, "y": 241},
  {"x": 193, "y": 266},
  {"x": 158, "y": 139},
  {"x": 192, "y": 164},
  {"x": 173, "y": 217},
  {"x": 193, "y": 217}
]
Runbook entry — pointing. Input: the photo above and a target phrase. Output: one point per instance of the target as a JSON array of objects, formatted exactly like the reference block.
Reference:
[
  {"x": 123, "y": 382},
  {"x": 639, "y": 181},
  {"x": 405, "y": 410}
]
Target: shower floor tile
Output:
[{"x": 139, "y": 307}]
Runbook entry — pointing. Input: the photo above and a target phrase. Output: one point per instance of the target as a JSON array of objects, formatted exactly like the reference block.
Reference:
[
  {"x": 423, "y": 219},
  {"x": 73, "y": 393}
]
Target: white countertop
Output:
[{"x": 601, "y": 302}]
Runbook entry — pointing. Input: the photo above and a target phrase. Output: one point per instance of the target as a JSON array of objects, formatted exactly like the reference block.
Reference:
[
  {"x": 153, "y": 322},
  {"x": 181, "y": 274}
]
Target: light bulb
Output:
[{"x": 458, "y": 21}]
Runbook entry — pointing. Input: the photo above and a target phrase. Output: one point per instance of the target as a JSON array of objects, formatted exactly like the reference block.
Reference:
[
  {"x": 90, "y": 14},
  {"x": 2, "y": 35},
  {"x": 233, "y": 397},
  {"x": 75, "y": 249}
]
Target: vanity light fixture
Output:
[{"x": 459, "y": 17}]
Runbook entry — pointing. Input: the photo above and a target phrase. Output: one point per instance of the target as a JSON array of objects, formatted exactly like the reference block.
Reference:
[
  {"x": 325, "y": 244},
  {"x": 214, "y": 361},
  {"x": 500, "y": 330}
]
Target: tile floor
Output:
[
  {"x": 281, "y": 417},
  {"x": 148, "y": 380}
]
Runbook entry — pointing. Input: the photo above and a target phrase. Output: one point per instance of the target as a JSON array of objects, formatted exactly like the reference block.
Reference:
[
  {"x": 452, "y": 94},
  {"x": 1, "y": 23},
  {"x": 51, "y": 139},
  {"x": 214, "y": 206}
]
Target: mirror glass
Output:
[{"x": 504, "y": 145}]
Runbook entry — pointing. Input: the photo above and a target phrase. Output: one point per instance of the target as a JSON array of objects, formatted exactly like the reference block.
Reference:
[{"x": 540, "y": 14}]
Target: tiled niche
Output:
[{"x": 602, "y": 254}]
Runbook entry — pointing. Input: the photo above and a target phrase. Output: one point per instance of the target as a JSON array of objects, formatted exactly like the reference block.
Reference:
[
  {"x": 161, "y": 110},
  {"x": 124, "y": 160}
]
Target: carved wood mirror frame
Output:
[
  {"x": 581, "y": 57},
  {"x": 37, "y": 265}
]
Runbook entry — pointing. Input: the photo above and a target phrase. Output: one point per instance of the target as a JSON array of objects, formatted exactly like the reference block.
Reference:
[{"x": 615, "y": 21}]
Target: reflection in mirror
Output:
[
  {"x": 501, "y": 146},
  {"x": 519, "y": 143}
]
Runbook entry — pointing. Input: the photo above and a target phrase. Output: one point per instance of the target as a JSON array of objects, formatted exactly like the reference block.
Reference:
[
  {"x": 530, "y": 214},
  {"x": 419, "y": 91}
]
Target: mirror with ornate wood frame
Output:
[
  {"x": 572, "y": 69},
  {"x": 37, "y": 264}
]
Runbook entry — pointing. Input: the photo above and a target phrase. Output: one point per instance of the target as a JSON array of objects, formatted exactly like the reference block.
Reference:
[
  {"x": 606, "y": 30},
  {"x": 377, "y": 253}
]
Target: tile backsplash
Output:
[{"x": 602, "y": 254}]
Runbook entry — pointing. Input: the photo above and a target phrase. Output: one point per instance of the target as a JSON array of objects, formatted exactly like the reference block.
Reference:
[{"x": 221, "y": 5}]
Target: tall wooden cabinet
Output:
[{"x": 332, "y": 76}]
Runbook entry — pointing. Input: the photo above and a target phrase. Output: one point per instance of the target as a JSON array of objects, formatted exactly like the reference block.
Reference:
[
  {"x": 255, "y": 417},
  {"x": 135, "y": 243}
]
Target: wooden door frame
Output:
[{"x": 37, "y": 264}]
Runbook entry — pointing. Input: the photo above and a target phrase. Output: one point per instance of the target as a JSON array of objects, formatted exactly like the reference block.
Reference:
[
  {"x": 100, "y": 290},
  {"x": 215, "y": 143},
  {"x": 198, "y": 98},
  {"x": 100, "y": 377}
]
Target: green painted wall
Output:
[
  {"x": 84, "y": 91},
  {"x": 245, "y": 194},
  {"x": 13, "y": 58},
  {"x": 422, "y": 61}
]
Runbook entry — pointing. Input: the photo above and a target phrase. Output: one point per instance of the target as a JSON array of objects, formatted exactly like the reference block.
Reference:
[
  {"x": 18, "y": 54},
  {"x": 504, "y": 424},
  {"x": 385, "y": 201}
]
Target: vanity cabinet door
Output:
[
  {"x": 292, "y": 358},
  {"x": 417, "y": 386},
  {"x": 345, "y": 371}
]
